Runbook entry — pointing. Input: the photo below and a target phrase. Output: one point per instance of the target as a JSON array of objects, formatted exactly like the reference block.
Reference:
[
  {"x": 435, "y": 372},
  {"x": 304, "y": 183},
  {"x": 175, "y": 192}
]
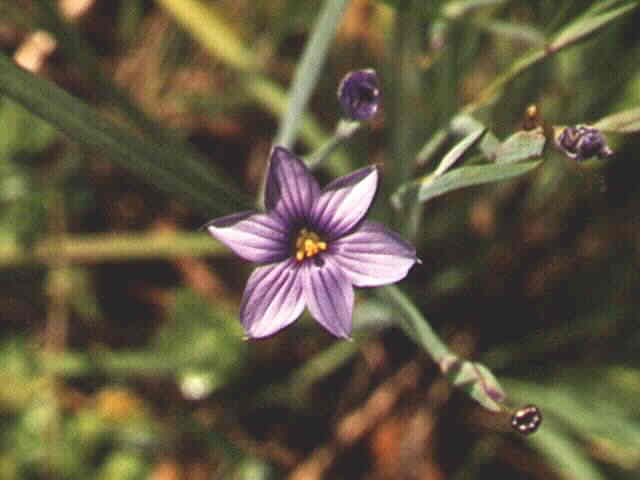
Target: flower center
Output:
[{"x": 308, "y": 244}]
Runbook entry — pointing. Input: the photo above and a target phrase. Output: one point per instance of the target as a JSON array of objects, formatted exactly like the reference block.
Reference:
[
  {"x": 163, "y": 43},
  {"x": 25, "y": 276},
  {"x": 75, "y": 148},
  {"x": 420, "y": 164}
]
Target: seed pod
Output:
[{"x": 527, "y": 419}]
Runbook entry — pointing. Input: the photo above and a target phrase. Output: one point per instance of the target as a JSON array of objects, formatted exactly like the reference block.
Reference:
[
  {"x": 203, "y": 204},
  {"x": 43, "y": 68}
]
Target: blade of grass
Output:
[
  {"x": 110, "y": 247},
  {"x": 309, "y": 68},
  {"x": 74, "y": 47},
  {"x": 430, "y": 187},
  {"x": 160, "y": 164},
  {"x": 563, "y": 454}
]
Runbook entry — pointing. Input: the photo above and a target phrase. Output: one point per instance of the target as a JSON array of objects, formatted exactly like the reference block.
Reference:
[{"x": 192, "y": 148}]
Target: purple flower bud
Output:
[
  {"x": 359, "y": 94},
  {"x": 582, "y": 142}
]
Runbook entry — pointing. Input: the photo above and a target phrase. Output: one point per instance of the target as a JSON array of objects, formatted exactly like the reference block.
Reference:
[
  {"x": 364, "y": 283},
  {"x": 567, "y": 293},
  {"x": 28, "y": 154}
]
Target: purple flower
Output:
[
  {"x": 359, "y": 94},
  {"x": 312, "y": 246}
]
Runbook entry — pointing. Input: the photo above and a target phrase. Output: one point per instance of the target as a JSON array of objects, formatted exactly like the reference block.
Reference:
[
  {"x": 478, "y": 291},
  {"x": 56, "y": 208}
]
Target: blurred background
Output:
[{"x": 129, "y": 124}]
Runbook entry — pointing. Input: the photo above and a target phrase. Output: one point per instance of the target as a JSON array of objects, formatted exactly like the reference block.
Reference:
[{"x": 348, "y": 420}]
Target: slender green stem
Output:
[
  {"x": 414, "y": 324},
  {"x": 309, "y": 68},
  {"x": 110, "y": 247},
  {"x": 344, "y": 130},
  {"x": 404, "y": 95},
  {"x": 274, "y": 99}
]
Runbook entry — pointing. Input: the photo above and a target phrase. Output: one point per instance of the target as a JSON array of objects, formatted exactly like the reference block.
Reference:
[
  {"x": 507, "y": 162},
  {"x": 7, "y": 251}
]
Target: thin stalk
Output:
[
  {"x": 344, "y": 130},
  {"x": 274, "y": 100},
  {"x": 109, "y": 248},
  {"x": 308, "y": 69},
  {"x": 414, "y": 324}
]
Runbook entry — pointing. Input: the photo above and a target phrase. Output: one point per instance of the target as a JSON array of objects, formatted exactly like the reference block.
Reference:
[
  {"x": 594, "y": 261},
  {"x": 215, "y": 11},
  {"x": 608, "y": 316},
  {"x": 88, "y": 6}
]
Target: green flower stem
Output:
[
  {"x": 473, "y": 378},
  {"x": 273, "y": 99},
  {"x": 415, "y": 325},
  {"x": 110, "y": 247},
  {"x": 344, "y": 130},
  {"x": 309, "y": 68}
]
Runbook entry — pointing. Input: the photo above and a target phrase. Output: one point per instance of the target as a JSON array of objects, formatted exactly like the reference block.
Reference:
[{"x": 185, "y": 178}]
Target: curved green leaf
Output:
[
  {"x": 458, "y": 151},
  {"x": 522, "y": 145},
  {"x": 431, "y": 187},
  {"x": 160, "y": 164}
]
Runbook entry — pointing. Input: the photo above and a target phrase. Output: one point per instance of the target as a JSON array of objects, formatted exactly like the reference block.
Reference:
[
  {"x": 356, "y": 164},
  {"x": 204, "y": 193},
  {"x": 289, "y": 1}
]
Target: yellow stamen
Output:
[{"x": 308, "y": 244}]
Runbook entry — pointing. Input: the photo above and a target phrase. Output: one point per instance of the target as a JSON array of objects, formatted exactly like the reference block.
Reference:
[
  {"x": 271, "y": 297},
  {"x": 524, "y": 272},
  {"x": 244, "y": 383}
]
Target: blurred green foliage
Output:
[{"x": 121, "y": 356}]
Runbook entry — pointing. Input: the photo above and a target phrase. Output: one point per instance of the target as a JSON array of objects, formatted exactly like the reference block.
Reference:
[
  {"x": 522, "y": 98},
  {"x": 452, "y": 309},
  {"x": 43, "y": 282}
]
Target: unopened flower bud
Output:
[
  {"x": 582, "y": 142},
  {"x": 359, "y": 94}
]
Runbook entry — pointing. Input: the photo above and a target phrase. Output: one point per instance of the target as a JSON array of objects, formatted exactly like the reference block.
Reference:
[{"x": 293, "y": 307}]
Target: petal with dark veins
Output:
[
  {"x": 344, "y": 202},
  {"x": 291, "y": 190},
  {"x": 256, "y": 237},
  {"x": 372, "y": 255},
  {"x": 329, "y": 295},
  {"x": 273, "y": 299}
]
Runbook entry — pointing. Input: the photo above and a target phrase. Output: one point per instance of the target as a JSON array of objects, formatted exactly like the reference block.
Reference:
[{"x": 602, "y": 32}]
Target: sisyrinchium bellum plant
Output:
[{"x": 312, "y": 246}]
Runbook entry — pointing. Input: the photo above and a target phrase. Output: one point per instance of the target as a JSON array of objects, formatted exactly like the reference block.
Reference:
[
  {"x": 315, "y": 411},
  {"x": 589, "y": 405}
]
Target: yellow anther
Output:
[{"x": 308, "y": 244}]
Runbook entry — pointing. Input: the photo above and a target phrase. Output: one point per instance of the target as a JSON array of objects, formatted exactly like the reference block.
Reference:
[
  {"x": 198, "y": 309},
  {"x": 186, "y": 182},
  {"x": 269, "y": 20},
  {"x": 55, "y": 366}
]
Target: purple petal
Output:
[
  {"x": 291, "y": 189},
  {"x": 329, "y": 295},
  {"x": 344, "y": 202},
  {"x": 272, "y": 299},
  {"x": 372, "y": 255},
  {"x": 254, "y": 236}
]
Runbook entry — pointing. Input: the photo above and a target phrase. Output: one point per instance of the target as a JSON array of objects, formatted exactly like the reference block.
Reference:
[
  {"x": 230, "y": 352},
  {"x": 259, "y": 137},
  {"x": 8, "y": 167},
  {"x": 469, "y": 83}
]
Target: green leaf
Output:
[
  {"x": 512, "y": 31},
  {"x": 587, "y": 25},
  {"x": 431, "y": 187},
  {"x": 309, "y": 69},
  {"x": 627, "y": 121},
  {"x": 522, "y": 145},
  {"x": 458, "y": 8},
  {"x": 458, "y": 151},
  {"x": 464, "y": 124},
  {"x": 590, "y": 407},
  {"x": 158, "y": 163}
]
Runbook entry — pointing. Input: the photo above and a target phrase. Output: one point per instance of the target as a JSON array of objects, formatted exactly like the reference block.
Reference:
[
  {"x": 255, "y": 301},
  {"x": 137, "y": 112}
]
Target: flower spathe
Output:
[{"x": 312, "y": 246}]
